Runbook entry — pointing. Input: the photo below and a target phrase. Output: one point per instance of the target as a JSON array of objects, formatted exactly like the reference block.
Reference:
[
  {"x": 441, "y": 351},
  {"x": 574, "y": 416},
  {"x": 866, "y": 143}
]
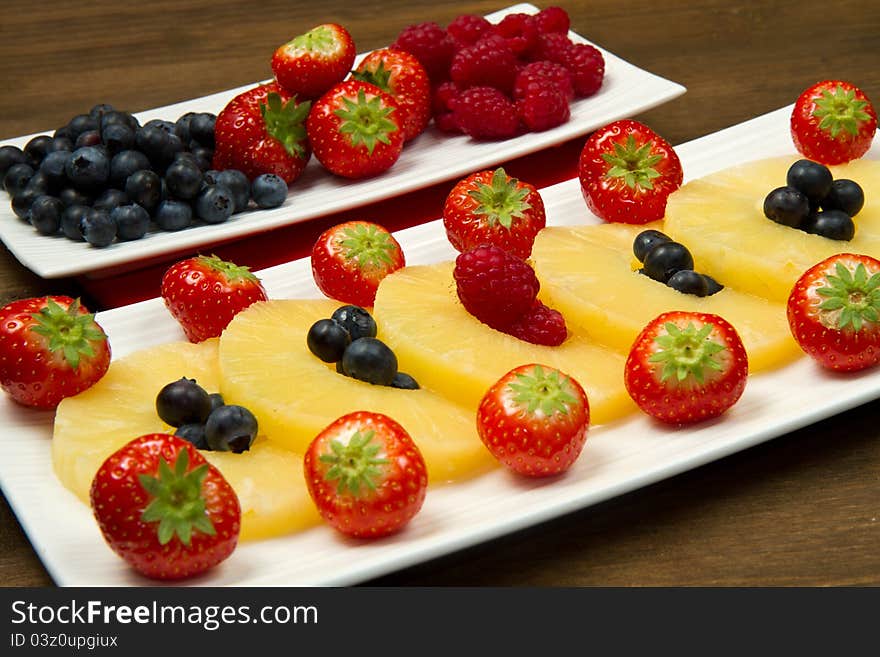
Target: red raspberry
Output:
[
  {"x": 520, "y": 31},
  {"x": 431, "y": 45},
  {"x": 552, "y": 47},
  {"x": 541, "y": 72},
  {"x": 488, "y": 63},
  {"x": 467, "y": 29},
  {"x": 485, "y": 113},
  {"x": 540, "y": 325},
  {"x": 587, "y": 67},
  {"x": 553, "y": 19},
  {"x": 494, "y": 285},
  {"x": 543, "y": 106},
  {"x": 443, "y": 103}
]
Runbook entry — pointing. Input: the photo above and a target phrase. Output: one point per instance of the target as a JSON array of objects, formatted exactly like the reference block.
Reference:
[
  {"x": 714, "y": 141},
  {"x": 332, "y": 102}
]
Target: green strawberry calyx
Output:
[
  {"x": 319, "y": 40},
  {"x": 286, "y": 122},
  {"x": 542, "y": 391},
  {"x": 178, "y": 505},
  {"x": 368, "y": 245},
  {"x": 356, "y": 464},
  {"x": 229, "y": 270},
  {"x": 68, "y": 330},
  {"x": 851, "y": 299},
  {"x": 633, "y": 163},
  {"x": 366, "y": 122},
  {"x": 501, "y": 201},
  {"x": 379, "y": 77},
  {"x": 685, "y": 352},
  {"x": 839, "y": 110}
]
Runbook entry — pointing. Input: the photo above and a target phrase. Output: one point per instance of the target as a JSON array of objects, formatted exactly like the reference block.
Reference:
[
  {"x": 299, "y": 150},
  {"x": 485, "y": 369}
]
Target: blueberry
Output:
[
  {"x": 404, "y": 381},
  {"x": 126, "y": 163},
  {"x": 81, "y": 123},
  {"x": 23, "y": 200},
  {"x": 17, "y": 177},
  {"x": 115, "y": 117},
  {"x": 214, "y": 204},
  {"x": 61, "y": 144},
  {"x": 41, "y": 183},
  {"x": 328, "y": 340},
  {"x": 54, "y": 166},
  {"x": 268, "y": 190},
  {"x": 71, "y": 222},
  {"x": 132, "y": 221},
  {"x": 238, "y": 184},
  {"x": 833, "y": 224},
  {"x": 665, "y": 259},
  {"x": 810, "y": 178},
  {"x": 64, "y": 133},
  {"x": 712, "y": 286},
  {"x": 37, "y": 148},
  {"x": 144, "y": 187},
  {"x": 71, "y": 196},
  {"x": 647, "y": 240},
  {"x": 118, "y": 137},
  {"x": 10, "y": 155},
  {"x": 158, "y": 144},
  {"x": 193, "y": 433},
  {"x": 216, "y": 400},
  {"x": 846, "y": 195},
  {"x": 45, "y": 214},
  {"x": 168, "y": 127},
  {"x": 688, "y": 281},
  {"x": 181, "y": 127},
  {"x": 88, "y": 168},
  {"x": 98, "y": 228},
  {"x": 201, "y": 128},
  {"x": 173, "y": 215},
  {"x": 786, "y": 206},
  {"x": 231, "y": 428},
  {"x": 357, "y": 321},
  {"x": 110, "y": 199},
  {"x": 210, "y": 178},
  {"x": 370, "y": 360},
  {"x": 183, "y": 179},
  {"x": 99, "y": 110},
  {"x": 204, "y": 157},
  {"x": 88, "y": 138},
  {"x": 183, "y": 402}
]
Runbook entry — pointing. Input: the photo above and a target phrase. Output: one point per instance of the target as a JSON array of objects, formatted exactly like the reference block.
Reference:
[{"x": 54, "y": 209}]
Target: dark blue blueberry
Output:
[
  {"x": 126, "y": 163},
  {"x": 181, "y": 127},
  {"x": 98, "y": 229},
  {"x": 37, "y": 148},
  {"x": 118, "y": 137},
  {"x": 647, "y": 240},
  {"x": 116, "y": 117},
  {"x": 183, "y": 402},
  {"x": 846, "y": 195},
  {"x": 216, "y": 400},
  {"x": 64, "y": 133},
  {"x": 88, "y": 168},
  {"x": 60, "y": 144},
  {"x": 81, "y": 123},
  {"x": 71, "y": 196},
  {"x": 833, "y": 224},
  {"x": 214, "y": 205},
  {"x": 787, "y": 206},
  {"x": 370, "y": 360},
  {"x": 204, "y": 157},
  {"x": 209, "y": 178},
  {"x": 173, "y": 215},
  {"x": 110, "y": 199},
  {"x": 357, "y": 321},
  {"x": 184, "y": 179},
  {"x": 687, "y": 281},
  {"x": 144, "y": 187},
  {"x": 239, "y": 185},
  {"x": 41, "y": 183},
  {"x": 193, "y": 433},
  {"x": 166, "y": 126},
  {"x": 88, "y": 138},
  {"x": 665, "y": 259},
  {"x": 327, "y": 340},
  {"x": 201, "y": 128},
  {"x": 268, "y": 190},
  {"x": 10, "y": 155},
  {"x": 45, "y": 214},
  {"x": 404, "y": 381},
  {"x": 54, "y": 166},
  {"x": 99, "y": 110},
  {"x": 23, "y": 200},
  {"x": 712, "y": 286},
  {"x": 231, "y": 428},
  {"x": 17, "y": 177},
  {"x": 158, "y": 144},
  {"x": 811, "y": 179},
  {"x": 132, "y": 221},
  {"x": 71, "y": 222}
]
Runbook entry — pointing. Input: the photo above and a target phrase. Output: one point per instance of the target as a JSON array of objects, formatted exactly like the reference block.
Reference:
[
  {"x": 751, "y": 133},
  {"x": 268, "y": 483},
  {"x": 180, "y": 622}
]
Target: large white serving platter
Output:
[
  {"x": 431, "y": 158},
  {"x": 618, "y": 457}
]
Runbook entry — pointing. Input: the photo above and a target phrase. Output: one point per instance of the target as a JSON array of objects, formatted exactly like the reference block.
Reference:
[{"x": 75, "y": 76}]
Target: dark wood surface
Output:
[{"x": 803, "y": 509}]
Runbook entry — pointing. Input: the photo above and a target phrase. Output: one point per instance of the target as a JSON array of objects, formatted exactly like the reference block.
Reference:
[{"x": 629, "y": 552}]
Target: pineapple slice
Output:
[
  {"x": 122, "y": 406},
  {"x": 588, "y": 274},
  {"x": 720, "y": 218},
  {"x": 447, "y": 349},
  {"x": 266, "y": 365}
]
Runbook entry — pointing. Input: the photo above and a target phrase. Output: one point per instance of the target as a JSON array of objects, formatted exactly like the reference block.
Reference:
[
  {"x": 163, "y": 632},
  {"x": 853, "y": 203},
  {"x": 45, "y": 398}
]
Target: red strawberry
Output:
[
  {"x": 355, "y": 130},
  {"x": 50, "y": 348},
  {"x": 833, "y": 122},
  {"x": 262, "y": 131},
  {"x": 400, "y": 74},
  {"x": 349, "y": 261},
  {"x": 686, "y": 367},
  {"x": 314, "y": 61},
  {"x": 627, "y": 171},
  {"x": 834, "y": 312},
  {"x": 164, "y": 509},
  {"x": 366, "y": 475},
  {"x": 534, "y": 420},
  {"x": 204, "y": 294},
  {"x": 490, "y": 207}
]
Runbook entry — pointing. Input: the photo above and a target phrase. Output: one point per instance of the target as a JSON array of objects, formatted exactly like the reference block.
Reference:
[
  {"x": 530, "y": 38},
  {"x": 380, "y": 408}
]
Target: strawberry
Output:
[
  {"x": 50, "y": 348},
  {"x": 833, "y": 122},
  {"x": 262, "y": 130},
  {"x": 311, "y": 63},
  {"x": 834, "y": 312},
  {"x": 686, "y": 367},
  {"x": 398, "y": 73},
  {"x": 349, "y": 261},
  {"x": 490, "y": 207},
  {"x": 164, "y": 509},
  {"x": 204, "y": 293},
  {"x": 534, "y": 420},
  {"x": 356, "y": 130},
  {"x": 627, "y": 171},
  {"x": 365, "y": 475}
]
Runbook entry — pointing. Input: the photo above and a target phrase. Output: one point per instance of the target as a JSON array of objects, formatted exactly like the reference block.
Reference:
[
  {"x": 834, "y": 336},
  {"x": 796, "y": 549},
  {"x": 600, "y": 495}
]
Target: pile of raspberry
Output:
[{"x": 495, "y": 81}]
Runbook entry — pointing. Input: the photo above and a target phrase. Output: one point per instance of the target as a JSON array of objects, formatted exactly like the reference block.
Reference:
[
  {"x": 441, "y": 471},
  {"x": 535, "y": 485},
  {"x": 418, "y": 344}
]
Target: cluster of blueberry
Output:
[
  {"x": 670, "y": 263},
  {"x": 348, "y": 338},
  {"x": 203, "y": 419},
  {"x": 105, "y": 177},
  {"x": 814, "y": 202}
]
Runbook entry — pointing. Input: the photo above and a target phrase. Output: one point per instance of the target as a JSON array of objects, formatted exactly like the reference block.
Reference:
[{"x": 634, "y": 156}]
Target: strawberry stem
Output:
[
  {"x": 839, "y": 110},
  {"x": 230, "y": 270},
  {"x": 686, "y": 352},
  {"x": 501, "y": 201},
  {"x": 355, "y": 464},
  {"x": 286, "y": 122},
  {"x": 547, "y": 392},
  {"x": 633, "y": 163},
  {"x": 367, "y": 244},
  {"x": 68, "y": 330},
  {"x": 365, "y": 121},
  {"x": 852, "y": 299}
]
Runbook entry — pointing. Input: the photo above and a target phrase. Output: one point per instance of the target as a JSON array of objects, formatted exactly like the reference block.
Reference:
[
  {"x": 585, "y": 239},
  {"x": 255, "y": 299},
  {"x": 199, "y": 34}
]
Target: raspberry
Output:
[
  {"x": 543, "y": 107},
  {"x": 467, "y": 29},
  {"x": 431, "y": 45},
  {"x": 485, "y": 113},
  {"x": 494, "y": 285},
  {"x": 520, "y": 31},
  {"x": 540, "y": 325},
  {"x": 488, "y": 63},
  {"x": 552, "y": 47},
  {"x": 540, "y": 72},
  {"x": 587, "y": 67},
  {"x": 443, "y": 103},
  {"x": 553, "y": 19}
]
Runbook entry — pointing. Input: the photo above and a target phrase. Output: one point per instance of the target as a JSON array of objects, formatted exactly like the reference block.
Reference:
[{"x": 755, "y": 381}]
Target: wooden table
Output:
[{"x": 803, "y": 509}]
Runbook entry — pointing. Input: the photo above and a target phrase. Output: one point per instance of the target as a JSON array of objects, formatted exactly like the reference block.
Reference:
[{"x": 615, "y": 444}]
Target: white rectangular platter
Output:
[
  {"x": 618, "y": 457},
  {"x": 431, "y": 158}
]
